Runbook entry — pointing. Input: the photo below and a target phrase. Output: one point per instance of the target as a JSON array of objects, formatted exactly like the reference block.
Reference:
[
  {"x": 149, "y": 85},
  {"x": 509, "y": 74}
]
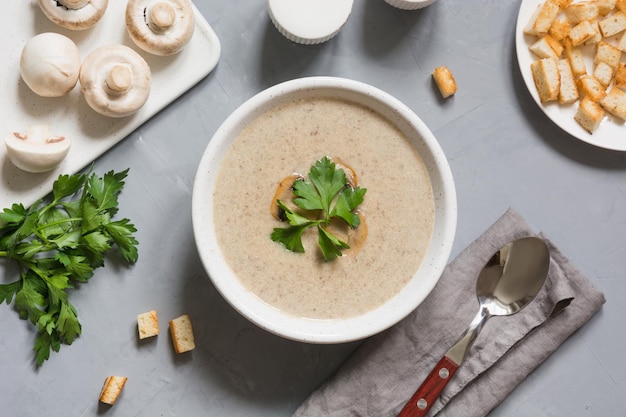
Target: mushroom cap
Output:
[
  {"x": 74, "y": 14},
  {"x": 115, "y": 80},
  {"x": 50, "y": 64},
  {"x": 36, "y": 150},
  {"x": 160, "y": 27}
]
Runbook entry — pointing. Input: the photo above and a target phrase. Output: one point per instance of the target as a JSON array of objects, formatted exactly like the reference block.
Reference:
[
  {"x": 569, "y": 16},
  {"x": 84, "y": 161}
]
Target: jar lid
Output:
[
  {"x": 309, "y": 21},
  {"x": 409, "y": 4}
]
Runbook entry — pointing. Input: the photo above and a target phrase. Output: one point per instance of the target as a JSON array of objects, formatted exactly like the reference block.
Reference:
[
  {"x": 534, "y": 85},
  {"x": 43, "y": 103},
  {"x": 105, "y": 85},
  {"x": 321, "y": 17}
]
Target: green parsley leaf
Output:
[
  {"x": 326, "y": 191},
  {"x": 57, "y": 243}
]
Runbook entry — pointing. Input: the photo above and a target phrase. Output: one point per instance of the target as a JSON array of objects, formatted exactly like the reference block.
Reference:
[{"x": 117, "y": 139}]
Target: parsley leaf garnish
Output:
[
  {"x": 58, "y": 243},
  {"x": 325, "y": 196}
]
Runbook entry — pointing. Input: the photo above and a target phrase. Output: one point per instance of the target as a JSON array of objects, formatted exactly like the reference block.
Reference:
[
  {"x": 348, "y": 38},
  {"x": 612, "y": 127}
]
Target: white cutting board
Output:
[{"x": 91, "y": 133}]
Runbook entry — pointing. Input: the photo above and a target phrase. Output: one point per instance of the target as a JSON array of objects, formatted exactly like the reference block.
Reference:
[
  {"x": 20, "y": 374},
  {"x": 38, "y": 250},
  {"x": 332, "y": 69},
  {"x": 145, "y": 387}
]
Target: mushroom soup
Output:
[{"x": 398, "y": 206}]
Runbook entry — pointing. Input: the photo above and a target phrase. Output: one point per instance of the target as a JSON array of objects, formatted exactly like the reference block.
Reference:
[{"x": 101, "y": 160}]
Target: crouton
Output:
[
  {"x": 582, "y": 32},
  {"x": 613, "y": 24},
  {"x": 112, "y": 388},
  {"x": 547, "y": 47},
  {"x": 621, "y": 45},
  {"x": 547, "y": 79},
  {"x": 605, "y": 52},
  {"x": 589, "y": 114},
  {"x": 606, "y": 6},
  {"x": 581, "y": 11},
  {"x": 542, "y": 18},
  {"x": 589, "y": 86},
  {"x": 621, "y": 5},
  {"x": 603, "y": 72},
  {"x": 615, "y": 103},
  {"x": 562, "y": 3},
  {"x": 576, "y": 58},
  {"x": 597, "y": 37},
  {"x": 182, "y": 334},
  {"x": 148, "y": 324},
  {"x": 620, "y": 77},
  {"x": 568, "y": 92},
  {"x": 445, "y": 81},
  {"x": 560, "y": 29}
]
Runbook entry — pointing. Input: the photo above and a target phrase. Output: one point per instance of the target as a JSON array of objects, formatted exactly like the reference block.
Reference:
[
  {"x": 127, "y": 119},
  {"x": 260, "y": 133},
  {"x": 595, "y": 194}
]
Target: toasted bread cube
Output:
[
  {"x": 621, "y": 45},
  {"x": 542, "y": 18},
  {"x": 620, "y": 77},
  {"x": 547, "y": 79},
  {"x": 148, "y": 324},
  {"x": 613, "y": 24},
  {"x": 568, "y": 92},
  {"x": 547, "y": 47},
  {"x": 560, "y": 29},
  {"x": 621, "y": 5},
  {"x": 605, "y": 52},
  {"x": 445, "y": 81},
  {"x": 581, "y": 11},
  {"x": 182, "y": 334},
  {"x": 576, "y": 58},
  {"x": 112, "y": 388},
  {"x": 595, "y": 38},
  {"x": 582, "y": 32},
  {"x": 615, "y": 103},
  {"x": 604, "y": 74},
  {"x": 562, "y": 3},
  {"x": 589, "y": 114},
  {"x": 589, "y": 86},
  {"x": 606, "y": 6}
]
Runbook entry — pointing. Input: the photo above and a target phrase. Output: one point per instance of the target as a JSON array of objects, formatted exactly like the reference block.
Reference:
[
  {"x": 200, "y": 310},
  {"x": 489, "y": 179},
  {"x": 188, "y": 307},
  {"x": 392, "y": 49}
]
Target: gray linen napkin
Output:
[{"x": 385, "y": 371}]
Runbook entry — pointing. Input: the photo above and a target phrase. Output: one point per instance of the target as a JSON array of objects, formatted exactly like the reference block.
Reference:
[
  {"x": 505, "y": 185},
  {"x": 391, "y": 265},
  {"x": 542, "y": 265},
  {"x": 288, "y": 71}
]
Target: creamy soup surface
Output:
[{"x": 398, "y": 207}]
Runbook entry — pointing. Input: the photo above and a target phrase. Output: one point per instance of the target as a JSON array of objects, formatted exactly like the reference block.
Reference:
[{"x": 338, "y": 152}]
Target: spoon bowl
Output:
[{"x": 508, "y": 282}]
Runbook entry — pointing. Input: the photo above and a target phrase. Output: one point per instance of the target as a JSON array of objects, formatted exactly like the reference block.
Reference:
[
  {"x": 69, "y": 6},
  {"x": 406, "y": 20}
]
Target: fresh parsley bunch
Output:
[
  {"x": 57, "y": 244},
  {"x": 326, "y": 192}
]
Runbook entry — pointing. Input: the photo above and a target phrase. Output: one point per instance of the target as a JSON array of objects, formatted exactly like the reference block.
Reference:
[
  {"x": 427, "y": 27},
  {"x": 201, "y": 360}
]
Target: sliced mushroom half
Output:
[
  {"x": 351, "y": 177},
  {"x": 355, "y": 237},
  {"x": 50, "y": 64},
  {"x": 36, "y": 150},
  {"x": 115, "y": 80},
  {"x": 160, "y": 27},
  {"x": 74, "y": 14},
  {"x": 284, "y": 193}
]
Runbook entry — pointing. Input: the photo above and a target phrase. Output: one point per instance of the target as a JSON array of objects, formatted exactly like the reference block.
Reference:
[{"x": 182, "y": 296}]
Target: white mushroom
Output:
[
  {"x": 161, "y": 27},
  {"x": 49, "y": 64},
  {"x": 74, "y": 14},
  {"x": 115, "y": 80},
  {"x": 37, "y": 150}
]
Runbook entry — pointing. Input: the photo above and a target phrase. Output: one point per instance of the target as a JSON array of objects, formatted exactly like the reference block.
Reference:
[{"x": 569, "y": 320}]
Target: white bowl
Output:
[{"x": 332, "y": 330}]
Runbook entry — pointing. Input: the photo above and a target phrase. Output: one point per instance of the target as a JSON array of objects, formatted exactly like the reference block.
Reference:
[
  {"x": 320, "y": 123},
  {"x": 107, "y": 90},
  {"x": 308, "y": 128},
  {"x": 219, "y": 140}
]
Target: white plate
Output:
[
  {"x": 611, "y": 134},
  {"x": 91, "y": 134}
]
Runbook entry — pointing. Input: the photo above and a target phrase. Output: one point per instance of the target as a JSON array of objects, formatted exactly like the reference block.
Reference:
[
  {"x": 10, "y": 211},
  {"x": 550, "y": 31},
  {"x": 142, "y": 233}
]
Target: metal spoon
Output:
[{"x": 508, "y": 282}]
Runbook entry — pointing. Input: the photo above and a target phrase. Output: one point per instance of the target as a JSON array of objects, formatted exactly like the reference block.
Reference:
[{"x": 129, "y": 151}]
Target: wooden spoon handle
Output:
[{"x": 429, "y": 391}]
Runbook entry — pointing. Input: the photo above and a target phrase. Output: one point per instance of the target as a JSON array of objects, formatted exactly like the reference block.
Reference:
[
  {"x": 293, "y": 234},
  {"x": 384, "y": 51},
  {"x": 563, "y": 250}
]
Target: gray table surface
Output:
[{"x": 503, "y": 153}]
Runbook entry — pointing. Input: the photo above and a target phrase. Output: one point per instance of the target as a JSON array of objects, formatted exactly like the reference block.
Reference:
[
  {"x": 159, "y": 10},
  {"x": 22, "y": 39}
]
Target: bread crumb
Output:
[
  {"x": 182, "y": 334},
  {"x": 148, "y": 324},
  {"x": 445, "y": 81},
  {"x": 112, "y": 388}
]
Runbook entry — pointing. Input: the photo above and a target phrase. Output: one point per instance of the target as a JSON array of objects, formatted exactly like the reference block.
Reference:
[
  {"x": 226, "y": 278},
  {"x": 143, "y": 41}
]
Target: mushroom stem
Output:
[
  {"x": 161, "y": 17},
  {"x": 119, "y": 78},
  {"x": 73, "y": 4}
]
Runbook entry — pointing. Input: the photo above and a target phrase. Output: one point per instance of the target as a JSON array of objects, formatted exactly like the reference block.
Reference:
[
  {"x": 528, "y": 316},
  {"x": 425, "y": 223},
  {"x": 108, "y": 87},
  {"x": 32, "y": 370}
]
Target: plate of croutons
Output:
[{"x": 572, "y": 56}]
